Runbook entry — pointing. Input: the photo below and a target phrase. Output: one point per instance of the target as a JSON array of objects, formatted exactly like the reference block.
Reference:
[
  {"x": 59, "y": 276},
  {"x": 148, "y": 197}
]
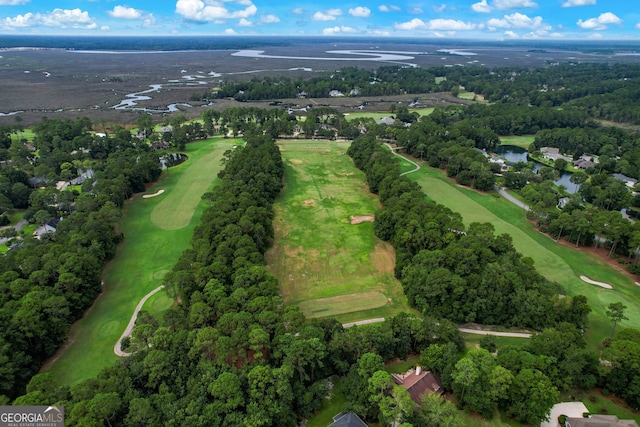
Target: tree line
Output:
[{"x": 463, "y": 274}]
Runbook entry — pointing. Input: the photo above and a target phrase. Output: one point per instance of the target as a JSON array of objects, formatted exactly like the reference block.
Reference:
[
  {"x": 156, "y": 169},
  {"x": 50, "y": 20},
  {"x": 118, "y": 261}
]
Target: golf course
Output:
[
  {"x": 325, "y": 255},
  {"x": 559, "y": 263},
  {"x": 156, "y": 231}
]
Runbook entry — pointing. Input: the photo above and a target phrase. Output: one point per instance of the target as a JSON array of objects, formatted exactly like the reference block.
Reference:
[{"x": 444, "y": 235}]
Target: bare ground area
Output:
[{"x": 359, "y": 219}]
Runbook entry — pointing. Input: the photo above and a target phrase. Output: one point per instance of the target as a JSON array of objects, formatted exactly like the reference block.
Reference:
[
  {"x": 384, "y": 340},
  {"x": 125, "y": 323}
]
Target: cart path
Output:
[
  {"x": 393, "y": 150},
  {"x": 132, "y": 322},
  {"x": 461, "y": 329}
]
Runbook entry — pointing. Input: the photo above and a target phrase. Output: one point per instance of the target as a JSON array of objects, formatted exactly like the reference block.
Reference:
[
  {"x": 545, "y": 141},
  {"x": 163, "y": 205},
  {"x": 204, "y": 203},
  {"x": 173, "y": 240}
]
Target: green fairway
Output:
[
  {"x": 382, "y": 115},
  {"x": 324, "y": 263},
  {"x": 143, "y": 258},
  {"x": 561, "y": 264},
  {"x": 522, "y": 141}
]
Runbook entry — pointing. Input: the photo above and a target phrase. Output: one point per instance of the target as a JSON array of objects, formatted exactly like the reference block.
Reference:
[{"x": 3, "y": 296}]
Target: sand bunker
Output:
[
  {"x": 593, "y": 282},
  {"x": 309, "y": 203},
  {"x": 357, "y": 219},
  {"x": 148, "y": 196}
]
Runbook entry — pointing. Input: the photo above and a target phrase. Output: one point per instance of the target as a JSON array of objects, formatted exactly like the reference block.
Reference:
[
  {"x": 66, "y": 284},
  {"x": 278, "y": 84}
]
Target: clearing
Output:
[{"x": 324, "y": 263}]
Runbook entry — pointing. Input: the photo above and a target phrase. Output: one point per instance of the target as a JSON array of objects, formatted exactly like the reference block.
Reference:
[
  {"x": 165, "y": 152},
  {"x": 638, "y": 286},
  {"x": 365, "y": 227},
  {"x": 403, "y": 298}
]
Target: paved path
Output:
[
  {"x": 132, "y": 322},
  {"x": 363, "y": 322},
  {"x": 495, "y": 333},
  {"x": 417, "y": 166},
  {"x": 466, "y": 330},
  {"x": 512, "y": 199}
]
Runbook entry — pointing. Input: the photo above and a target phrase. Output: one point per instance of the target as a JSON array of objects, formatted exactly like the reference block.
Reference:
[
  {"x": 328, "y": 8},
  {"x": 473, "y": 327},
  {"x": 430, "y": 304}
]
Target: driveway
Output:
[{"x": 570, "y": 409}]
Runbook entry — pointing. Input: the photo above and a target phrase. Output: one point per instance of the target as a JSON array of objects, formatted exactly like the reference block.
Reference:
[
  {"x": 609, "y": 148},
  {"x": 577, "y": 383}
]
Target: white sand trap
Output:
[
  {"x": 593, "y": 282},
  {"x": 638, "y": 283},
  {"x": 148, "y": 196}
]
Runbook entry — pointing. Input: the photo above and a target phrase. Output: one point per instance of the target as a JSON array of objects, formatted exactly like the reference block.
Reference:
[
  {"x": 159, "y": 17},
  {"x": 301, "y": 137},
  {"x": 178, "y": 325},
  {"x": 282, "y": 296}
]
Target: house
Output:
[
  {"x": 583, "y": 164},
  {"x": 386, "y": 121},
  {"x": 83, "y": 176},
  {"x": 628, "y": 181},
  {"x": 553, "y": 153},
  {"x": 48, "y": 228},
  {"x": 347, "y": 419},
  {"x": 562, "y": 202},
  {"x": 335, "y": 93},
  {"x": 418, "y": 383},
  {"x": 599, "y": 421}
]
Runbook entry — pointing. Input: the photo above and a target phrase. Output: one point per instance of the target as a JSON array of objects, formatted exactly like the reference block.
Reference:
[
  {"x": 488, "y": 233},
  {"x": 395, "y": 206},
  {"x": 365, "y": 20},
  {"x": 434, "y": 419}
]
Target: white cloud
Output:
[
  {"x": 577, "y": 3},
  {"x": 230, "y": 32},
  {"x": 20, "y": 21},
  {"x": 149, "y": 21},
  {"x": 599, "y": 23},
  {"x": 595, "y": 36},
  {"x": 449, "y": 25},
  {"x": 269, "y": 19},
  {"x": 638, "y": 25},
  {"x": 13, "y": 2},
  {"x": 513, "y": 4},
  {"x": 337, "y": 30},
  {"x": 388, "y": 8},
  {"x": 434, "y": 25},
  {"x": 298, "y": 11},
  {"x": 415, "y": 10},
  {"x": 511, "y": 34},
  {"x": 329, "y": 15},
  {"x": 215, "y": 10},
  {"x": 414, "y": 24},
  {"x": 360, "y": 12},
  {"x": 244, "y": 22},
  {"x": 105, "y": 28},
  {"x": 481, "y": 7},
  {"x": 439, "y": 9},
  {"x": 124, "y": 12},
  {"x": 518, "y": 20},
  {"x": 379, "y": 33},
  {"x": 68, "y": 18}
]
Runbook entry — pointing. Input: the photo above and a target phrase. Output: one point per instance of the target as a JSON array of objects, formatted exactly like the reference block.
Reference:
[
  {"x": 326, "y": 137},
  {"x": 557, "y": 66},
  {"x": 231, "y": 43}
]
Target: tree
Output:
[
  {"x": 616, "y": 314},
  {"x": 435, "y": 411}
]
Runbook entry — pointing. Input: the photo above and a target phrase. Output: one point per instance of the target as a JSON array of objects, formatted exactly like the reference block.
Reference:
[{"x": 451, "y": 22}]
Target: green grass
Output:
[
  {"x": 522, "y": 141},
  {"x": 473, "y": 341},
  {"x": 330, "y": 408},
  {"x": 559, "y": 263},
  {"x": 469, "y": 96},
  {"x": 382, "y": 115},
  {"x": 596, "y": 403},
  {"x": 142, "y": 260},
  {"x": 318, "y": 254},
  {"x": 25, "y": 134}
]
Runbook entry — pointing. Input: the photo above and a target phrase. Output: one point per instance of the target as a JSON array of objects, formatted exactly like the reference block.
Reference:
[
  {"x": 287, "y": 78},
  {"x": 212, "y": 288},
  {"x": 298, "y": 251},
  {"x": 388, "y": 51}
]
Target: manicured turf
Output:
[
  {"x": 382, "y": 115},
  {"x": 143, "y": 258},
  {"x": 559, "y": 263},
  {"x": 522, "y": 141},
  {"x": 318, "y": 253}
]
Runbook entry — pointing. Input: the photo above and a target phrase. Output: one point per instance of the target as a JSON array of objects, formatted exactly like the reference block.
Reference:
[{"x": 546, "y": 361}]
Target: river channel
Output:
[{"x": 514, "y": 154}]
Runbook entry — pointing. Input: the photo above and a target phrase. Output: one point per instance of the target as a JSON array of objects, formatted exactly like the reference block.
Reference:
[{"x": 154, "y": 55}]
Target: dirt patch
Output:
[
  {"x": 383, "y": 257},
  {"x": 357, "y": 219},
  {"x": 310, "y": 203},
  {"x": 296, "y": 161}
]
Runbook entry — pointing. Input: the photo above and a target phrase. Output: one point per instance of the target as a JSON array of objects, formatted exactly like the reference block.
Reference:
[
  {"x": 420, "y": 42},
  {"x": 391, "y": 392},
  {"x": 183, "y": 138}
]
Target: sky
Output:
[{"x": 473, "y": 19}]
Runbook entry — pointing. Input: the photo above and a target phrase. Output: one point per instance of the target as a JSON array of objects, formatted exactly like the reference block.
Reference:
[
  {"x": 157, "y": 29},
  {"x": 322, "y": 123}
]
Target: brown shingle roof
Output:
[{"x": 418, "y": 384}]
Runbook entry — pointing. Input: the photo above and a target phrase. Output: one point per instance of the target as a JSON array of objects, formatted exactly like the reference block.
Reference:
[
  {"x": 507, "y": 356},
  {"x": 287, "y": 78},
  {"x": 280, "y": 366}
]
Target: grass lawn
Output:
[
  {"x": 325, "y": 264},
  {"x": 559, "y": 263},
  {"x": 146, "y": 254},
  {"x": 330, "y": 408},
  {"x": 382, "y": 115},
  {"x": 473, "y": 341},
  {"x": 596, "y": 403},
  {"x": 522, "y": 141},
  {"x": 469, "y": 96}
]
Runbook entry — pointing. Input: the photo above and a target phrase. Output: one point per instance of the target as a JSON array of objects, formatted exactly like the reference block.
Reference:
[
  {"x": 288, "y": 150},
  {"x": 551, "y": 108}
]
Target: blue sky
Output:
[{"x": 475, "y": 19}]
